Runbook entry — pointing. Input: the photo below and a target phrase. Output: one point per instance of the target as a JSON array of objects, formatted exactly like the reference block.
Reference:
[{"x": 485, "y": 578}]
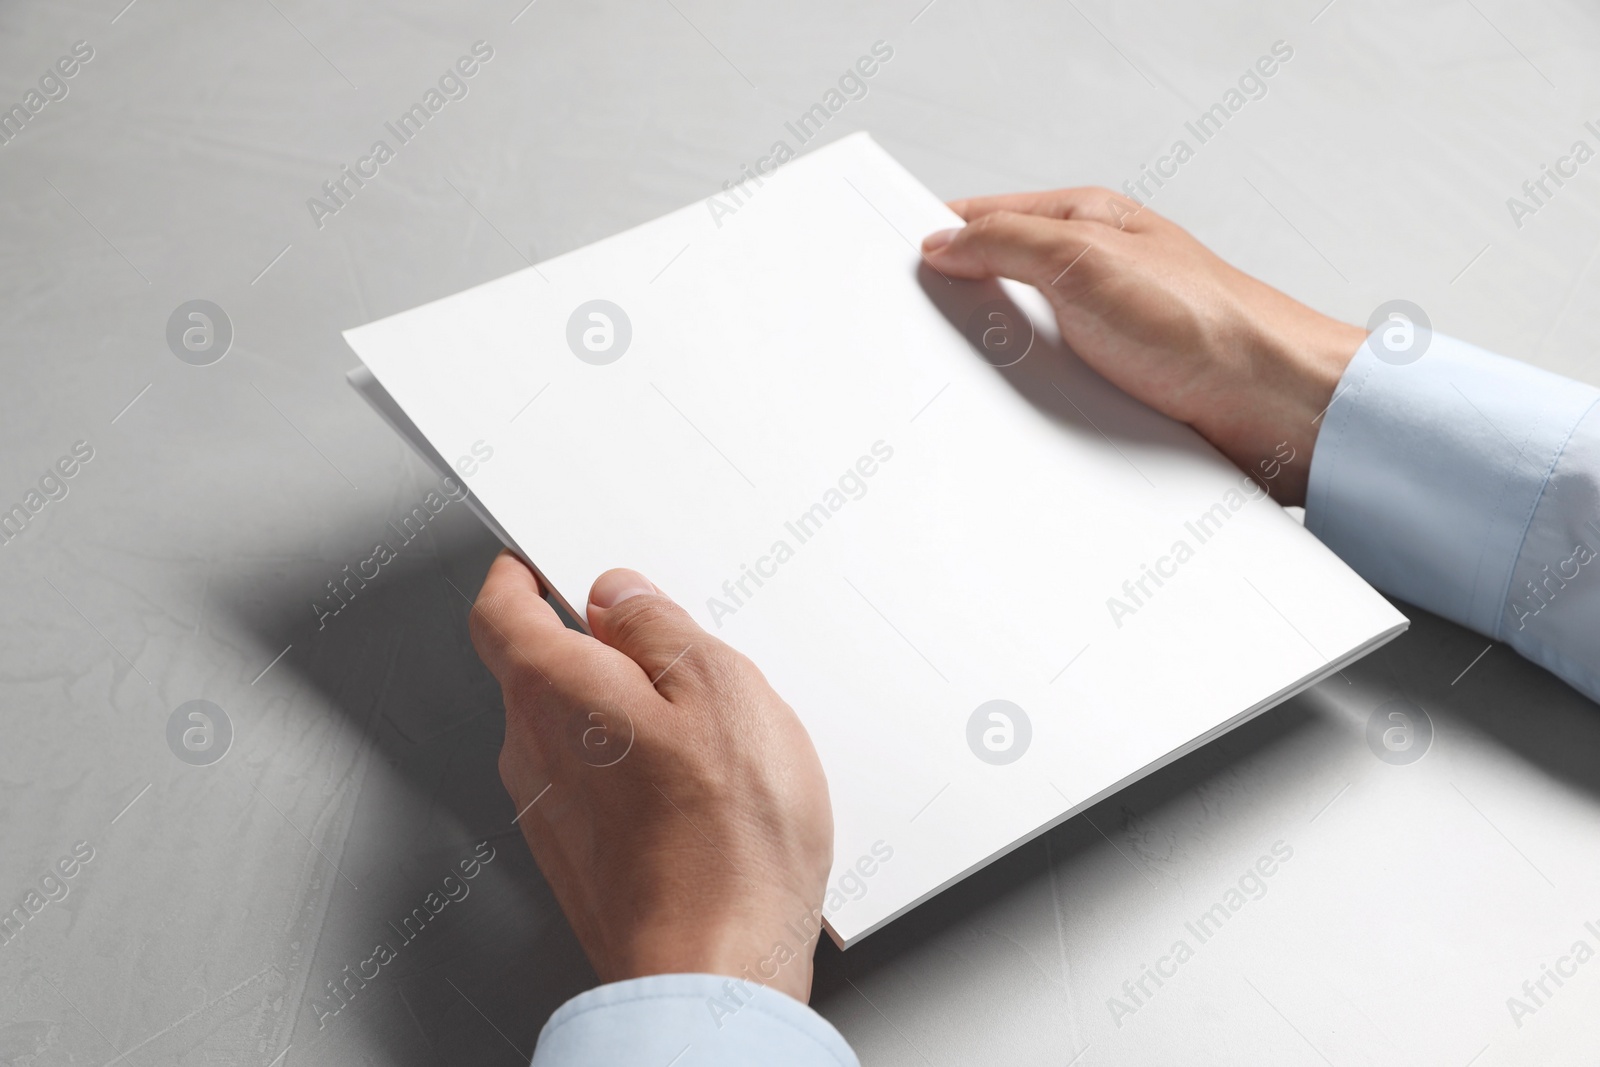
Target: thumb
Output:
[
  {"x": 628, "y": 612},
  {"x": 1006, "y": 244}
]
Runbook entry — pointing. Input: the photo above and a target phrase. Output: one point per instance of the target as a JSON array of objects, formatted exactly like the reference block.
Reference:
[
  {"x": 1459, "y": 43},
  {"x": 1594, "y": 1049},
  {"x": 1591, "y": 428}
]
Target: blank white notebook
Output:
[{"x": 873, "y": 481}]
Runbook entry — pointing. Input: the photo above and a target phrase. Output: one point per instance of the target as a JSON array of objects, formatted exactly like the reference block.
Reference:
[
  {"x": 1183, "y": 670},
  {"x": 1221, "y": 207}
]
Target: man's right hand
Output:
[
  {"x": 687, "y": 828},
  {"x": 1163, "y": 318}
]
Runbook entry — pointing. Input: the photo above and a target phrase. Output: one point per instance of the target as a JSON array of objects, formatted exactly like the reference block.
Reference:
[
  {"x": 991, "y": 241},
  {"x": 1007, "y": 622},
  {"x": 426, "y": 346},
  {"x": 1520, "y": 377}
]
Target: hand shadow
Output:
[
  {"x": 396, "y": 662},
  {"x": 1027, "y": 353}
]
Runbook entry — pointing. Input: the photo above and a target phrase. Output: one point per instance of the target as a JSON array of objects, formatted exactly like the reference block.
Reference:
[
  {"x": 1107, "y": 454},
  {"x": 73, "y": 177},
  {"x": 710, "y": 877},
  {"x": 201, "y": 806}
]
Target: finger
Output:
[
  {"x": 512, "y": 626},
  {"x": 1085, "y": 204},
  {"x": 628, "y": 612},
  {"x": 1027, "y": 248}
]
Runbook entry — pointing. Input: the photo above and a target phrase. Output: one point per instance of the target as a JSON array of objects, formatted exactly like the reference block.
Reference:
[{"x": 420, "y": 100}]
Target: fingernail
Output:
[
  {"x": 613, "y": 587},
  {"x": 938, "y": 239}
]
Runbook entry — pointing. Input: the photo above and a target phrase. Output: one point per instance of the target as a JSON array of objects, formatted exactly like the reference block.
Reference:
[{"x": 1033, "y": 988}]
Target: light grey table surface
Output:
[{"x": 183, "y": 562}]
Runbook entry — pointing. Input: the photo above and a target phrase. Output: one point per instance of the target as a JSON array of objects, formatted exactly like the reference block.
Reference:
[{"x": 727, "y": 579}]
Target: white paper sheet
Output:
[{"x": 777, "y": 351}]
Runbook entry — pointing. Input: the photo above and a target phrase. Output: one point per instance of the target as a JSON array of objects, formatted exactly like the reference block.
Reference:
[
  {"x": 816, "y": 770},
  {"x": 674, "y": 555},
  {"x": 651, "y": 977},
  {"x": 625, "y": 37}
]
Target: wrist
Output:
[
  {"x": 769, "y": 954},
  {"x": 1267, "y": 419}
]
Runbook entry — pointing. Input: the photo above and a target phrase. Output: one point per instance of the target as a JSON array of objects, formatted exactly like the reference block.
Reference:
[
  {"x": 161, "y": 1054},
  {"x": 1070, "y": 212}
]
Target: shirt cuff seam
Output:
[
  {"x": 774, "y": 1016},
  {"x": 1533, "y": 509},
  {"x": 1314, "y": 516}
]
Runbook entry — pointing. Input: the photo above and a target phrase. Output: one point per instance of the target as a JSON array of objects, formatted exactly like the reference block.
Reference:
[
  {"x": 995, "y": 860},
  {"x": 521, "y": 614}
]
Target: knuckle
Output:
[
  {"x": 712, "y": 665},
  {"x": 643, "y": 618},
  {"x": 989, "y": 226},
  {"x": 482, "y": 621},
  {"x": 508, "y": 762},
  {"x": 479, "y": 629},
  {"x": 720, "y": 668},
  {"x": 588, "y": 658}
]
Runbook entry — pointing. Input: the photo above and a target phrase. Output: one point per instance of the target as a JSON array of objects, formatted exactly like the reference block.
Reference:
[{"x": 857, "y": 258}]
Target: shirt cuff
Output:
[
  {"x": 1426, "y": 475},
  {"x": 689, "y": 1020}
]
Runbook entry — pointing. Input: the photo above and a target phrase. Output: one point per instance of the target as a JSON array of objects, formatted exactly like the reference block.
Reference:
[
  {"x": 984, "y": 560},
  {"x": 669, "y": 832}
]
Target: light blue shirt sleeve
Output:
[
  {"x": 1469, "y": 484},
  {"x": 688, "y": 1020}
]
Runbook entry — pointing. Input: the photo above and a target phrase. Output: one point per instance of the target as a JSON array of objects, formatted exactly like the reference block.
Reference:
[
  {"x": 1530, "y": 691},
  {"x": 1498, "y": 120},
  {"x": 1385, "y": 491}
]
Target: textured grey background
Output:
[{"x": 187, "y": 554}]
